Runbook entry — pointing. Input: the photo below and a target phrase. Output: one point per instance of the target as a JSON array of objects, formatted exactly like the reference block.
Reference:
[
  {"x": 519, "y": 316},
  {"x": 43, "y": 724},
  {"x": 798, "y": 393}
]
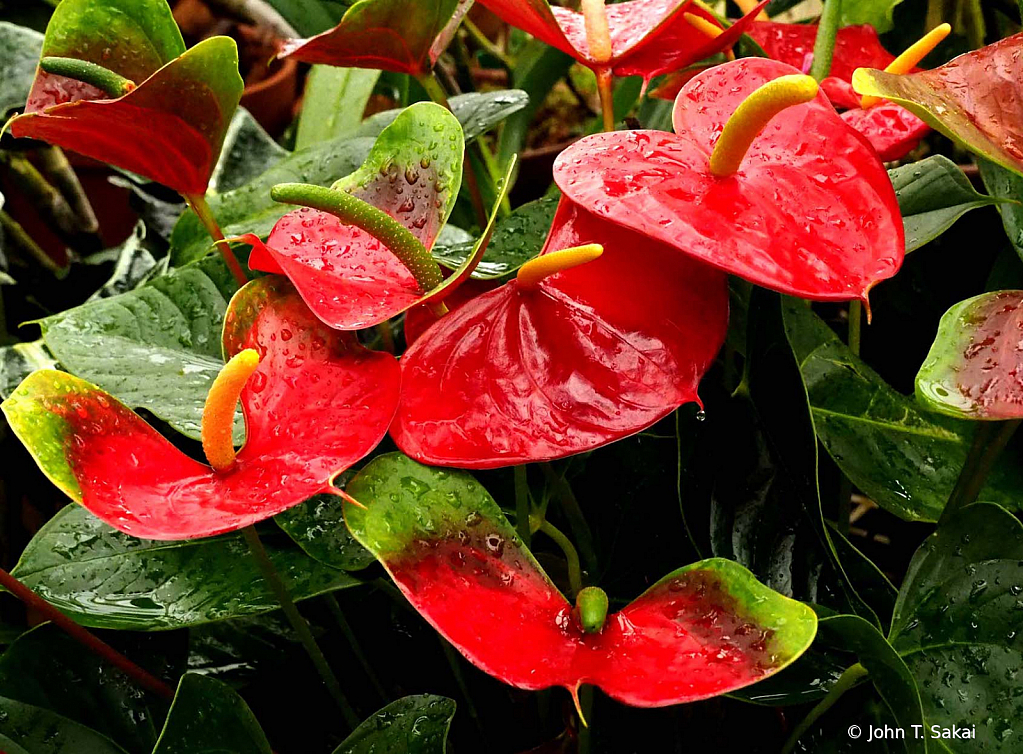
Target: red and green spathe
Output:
[
  {"x": 703, "y": 630},
  {"x": 793, "y": 199},
  {"x": 290, "y": 372},
  {"x": 163, "y": 111}
]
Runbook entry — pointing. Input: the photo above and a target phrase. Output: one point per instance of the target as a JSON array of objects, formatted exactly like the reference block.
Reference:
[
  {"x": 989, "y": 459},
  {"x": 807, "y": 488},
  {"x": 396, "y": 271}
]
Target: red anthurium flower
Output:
[
  {"x": 116, "y": 84},
  {"x": 289, "y": 370},
  {"x": 403, "y": 36},
  {"x": 545, "y": 367},
  {"x": 974, "y": 366},
  {"x": 892, "y": 130},
  {"x": 763, "y": 180},
  {"x": 973, "y": 99},
  {"x": 419, "y": 319},
  {"x": 374, "y": 264},
  {"x": 703, "y": 630}
]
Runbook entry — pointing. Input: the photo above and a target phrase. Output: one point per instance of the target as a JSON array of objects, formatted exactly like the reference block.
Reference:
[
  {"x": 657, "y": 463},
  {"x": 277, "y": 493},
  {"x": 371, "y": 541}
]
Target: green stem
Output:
[
  {"x": 575, "y": 577},
  {"x": 437, "y": 94},
  {"x": 845, "y": 485},
  {"x": 205, "y": 214},
  {"x": 342, "y": 623},
  {"x": 574, "y": 513},
  {"x": 852, "y": 676},
  {"x": 824, "y": 47},
  {"x": 82, "y": 70},
  {"x": 988, "y": 443},
  {"x": 299, "y": 624},
  {"x": 395, "y": 236},
  {"x": 95, "y": 645},
  {"x": 484, "y": 42},
  {"x": 605, "y": 88},
  {"x": 522, "y": 503}
]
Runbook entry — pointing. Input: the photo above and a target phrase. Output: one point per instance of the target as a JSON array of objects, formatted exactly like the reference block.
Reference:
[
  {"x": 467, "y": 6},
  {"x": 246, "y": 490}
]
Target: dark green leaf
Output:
[
  {"x": 156, "y": 347},
  {"x": 478, "y": 112},
  {"x": 933, "y": 194},
  {"x": 39, "y": 731},
  {"x": 208, "y": 717},
  {"x": 132, "y": 262},
  {"x": 1002, "y": 182},
  {"x": 46, "y": 668},
  {"x": 517, "y": 238},
  {"x": 904, "y": 459},
  {"x": 876, "y": 13},
  {"x": 19, "y": 361},
  {"x": 318, "y": 527},
  {"x": 248, "y": 152},
  {"x": 105, "y": 579},
  {"x": 412, "y": 725}
]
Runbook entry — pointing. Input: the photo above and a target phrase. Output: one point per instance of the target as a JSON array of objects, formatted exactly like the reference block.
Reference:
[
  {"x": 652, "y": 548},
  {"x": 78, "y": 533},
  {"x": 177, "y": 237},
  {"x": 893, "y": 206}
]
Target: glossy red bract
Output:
[
  {"x": 593, "y": 354},
  {"x": 134, "y": 479},
  {"x": 811, "y": 212}
]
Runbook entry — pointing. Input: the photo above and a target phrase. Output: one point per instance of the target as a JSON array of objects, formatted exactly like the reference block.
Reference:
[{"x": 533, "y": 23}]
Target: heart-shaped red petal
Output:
[
  {"x": 593, "y": 354},
  {"x": 855, "y": 46},
  {"x": 893, "y": 131},
  {"x": 811, "y": 212},
  {"x": 120, "y": 468},
  {"x": 421, "y": 318},
  {"x": 703, "y": 630}
]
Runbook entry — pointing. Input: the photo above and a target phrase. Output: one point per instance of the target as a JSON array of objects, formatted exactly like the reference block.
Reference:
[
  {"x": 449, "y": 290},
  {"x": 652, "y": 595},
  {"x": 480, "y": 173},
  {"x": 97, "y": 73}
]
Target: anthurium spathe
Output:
[
  {"x": 289, "y": 370},
  {"x": 403, "y": 36},
  {"x": 162, "y": 111},
  {"x": 406, "y": 189},
  {"x": 973, "y": 99},
  {"x": 762, "y": 179},
  {"x": 974, "y": 368},
  {"x": 703, "y": 630},
  {"x": 635, "y": 38},
  {"x": 554, "y": 363}
]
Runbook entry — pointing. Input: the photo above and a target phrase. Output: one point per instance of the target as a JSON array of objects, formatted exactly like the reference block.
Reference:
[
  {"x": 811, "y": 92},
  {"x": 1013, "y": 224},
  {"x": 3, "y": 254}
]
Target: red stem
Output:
[{"x": 95, "y": 645}]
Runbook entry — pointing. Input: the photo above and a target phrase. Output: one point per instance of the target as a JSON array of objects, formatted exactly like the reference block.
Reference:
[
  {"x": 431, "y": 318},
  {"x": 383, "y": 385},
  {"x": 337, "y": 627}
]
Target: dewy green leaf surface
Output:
[
  {"x": 156, "y": 347},
  {"x": 19, "y": 361},
  {"x": 47, "y": 668},
  {"x": 411, "y": 725},
  {"x": 105, "y": 579},
  {"x": 209, "y": 717},
  {"x": 478, "y": 112},
  {"x": 933, "y": 194},
  {"x": 517, "y": 238},
  {"x": 905, "y": 459},
  {"x": 972, "y": 370},
  {"x": 39, "y": 731},
  {"x": 248, "y": 152},
  {"x": 334, "y": 101},
  {"x": 318, "y": 527},
  {"x": 1002, "y": 182},
  {"x": 20, "y": 50}
]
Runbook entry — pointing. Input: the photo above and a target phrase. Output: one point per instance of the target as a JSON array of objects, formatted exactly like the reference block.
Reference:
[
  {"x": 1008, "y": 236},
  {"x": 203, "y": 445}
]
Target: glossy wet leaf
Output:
[
  {"x": 39, "y": 731},
  {"x": 648, "y": 37},
  {"x": 105, "y": 579},
  {"x": 209, "y": 716},
  {"x": 763, "y": 497},
  {"x": 888, "y": 672},
  {"x": 248, "y": 152},
  {"x": 478, "y": 112},
  {"x": 517, "y": 238},
  {"x": 973, "y": 99},
  {"x": 933, "y": 194},
  {"x": 391, "y": 35},
  {"x": 703, "y": 630},
  {"x": 20, "y": 50},
  {"x": 571, "y": 365},
  {"x": 811, "y": 212},
  {"x": 318, "y": 527},
  {"x": 48, "y": 669},
  {"x": 156, "y": 347},
  {"x": 133, "y": 39},
  {"x": 106, "y": 457},
  {"x": 1001, "y": 182},
  {"x": 905, "y": 459},
  {"x": 972, "y": 369},
  {"x": 411, "y": 725},
  {"x": 169, "y": 129},
  {"x": 333, "y": 103},
  {"x": 132, "y": 264},
  {"x": 957, "y": 627}
]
